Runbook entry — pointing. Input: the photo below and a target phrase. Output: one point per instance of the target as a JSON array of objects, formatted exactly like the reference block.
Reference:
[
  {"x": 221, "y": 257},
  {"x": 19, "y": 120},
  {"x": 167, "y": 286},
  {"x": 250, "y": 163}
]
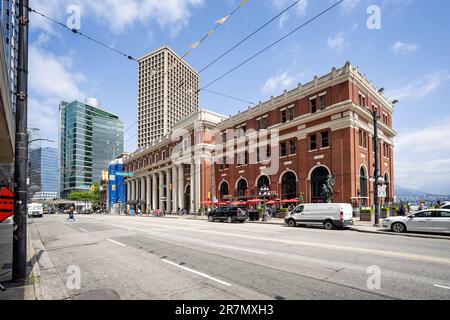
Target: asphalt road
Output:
[{"x": 163, "y": 258}]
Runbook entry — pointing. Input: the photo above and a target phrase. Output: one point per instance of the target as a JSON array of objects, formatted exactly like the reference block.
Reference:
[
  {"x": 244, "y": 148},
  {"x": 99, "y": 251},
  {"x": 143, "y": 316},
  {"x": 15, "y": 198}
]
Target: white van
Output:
[
  {"x": 330, "y": 215},
  {"x": 35, "y": 210}
]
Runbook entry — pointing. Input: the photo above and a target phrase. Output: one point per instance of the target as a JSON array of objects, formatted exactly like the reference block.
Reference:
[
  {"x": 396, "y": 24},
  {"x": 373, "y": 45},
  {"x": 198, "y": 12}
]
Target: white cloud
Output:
[
  {"x": 280, "y": 5},
  {"x": 422, "y": 87},
  {"x": 337, "y": 42},
  {"x": 421, "y": 162},
  {"x": 52, "y": 79},
  {"x": 404, "y": 48},
  {"x": 119, "y": 14},
  {"x": 278, "y": 83},
  {"x": 52, "y": 76},
  {"x": 348, "y": 6}
]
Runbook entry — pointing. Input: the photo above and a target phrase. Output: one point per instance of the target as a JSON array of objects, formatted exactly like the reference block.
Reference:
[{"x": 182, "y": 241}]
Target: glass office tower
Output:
[
  {"x": 43, "y": 173},
  {"x": 89, "y": 139}
]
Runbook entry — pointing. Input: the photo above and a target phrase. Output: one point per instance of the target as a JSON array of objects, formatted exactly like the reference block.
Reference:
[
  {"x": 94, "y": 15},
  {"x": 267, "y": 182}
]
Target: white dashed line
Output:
[
  {"x": 84, "y": 230},
  {"x": 116, "y": 242},
  {"x": 197, "y": 272},
  {"x": 239, "y": 249},
  {"x": 443, "y": 287}
]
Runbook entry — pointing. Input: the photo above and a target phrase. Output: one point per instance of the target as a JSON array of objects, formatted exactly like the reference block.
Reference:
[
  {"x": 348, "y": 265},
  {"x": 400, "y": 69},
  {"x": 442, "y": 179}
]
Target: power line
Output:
[
  {"x": 249, "y": 36},
  {"x": 75, "y": 31},
  {"x": 228, "y": 96},
  {"x": 272, "y": 44}
]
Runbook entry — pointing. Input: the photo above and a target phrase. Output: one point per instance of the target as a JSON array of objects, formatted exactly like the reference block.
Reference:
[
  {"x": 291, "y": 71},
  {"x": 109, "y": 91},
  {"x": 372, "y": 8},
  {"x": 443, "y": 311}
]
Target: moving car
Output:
[
  {"x": 229, "y": 214},
  {"x": 35, "y": 210},
  {"x": 431, "y": 220},
  {"x": 330, "y": 215}
]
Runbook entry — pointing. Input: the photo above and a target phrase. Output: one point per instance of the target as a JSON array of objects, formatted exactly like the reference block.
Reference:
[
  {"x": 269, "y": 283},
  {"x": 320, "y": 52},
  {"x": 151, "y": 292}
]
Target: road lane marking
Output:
[
  {"x": 84, "y": 230},
  {"x": 384, "y": 253},
  {"x": 236, "y": 248},
  {"x": 443, "y": 287},
  {"x": 117, "y": 242},
  {"x": 196, "y": 272}
]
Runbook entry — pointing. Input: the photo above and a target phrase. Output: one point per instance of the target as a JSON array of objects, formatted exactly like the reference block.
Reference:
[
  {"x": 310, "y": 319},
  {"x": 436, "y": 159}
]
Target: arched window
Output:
[
  {"x": 224, "y": 190},
  {"x": 241, "y": 188},
  {"x": 318, "y": 179},
  {"x": 263, "y": 181},
  {"x": 388, "y": 186},
  {"x": 289, "y": 186}
]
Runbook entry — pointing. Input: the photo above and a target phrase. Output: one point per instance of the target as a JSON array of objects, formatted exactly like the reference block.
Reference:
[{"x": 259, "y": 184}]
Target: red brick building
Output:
[{"x": 289, "y": 144}]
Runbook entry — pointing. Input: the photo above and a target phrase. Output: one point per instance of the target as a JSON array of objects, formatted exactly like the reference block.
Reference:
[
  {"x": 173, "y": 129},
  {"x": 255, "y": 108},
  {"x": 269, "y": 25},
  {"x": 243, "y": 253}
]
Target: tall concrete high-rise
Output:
[
  {"x": 167, "y": 92},
  {"x": 89, "y": 137}
]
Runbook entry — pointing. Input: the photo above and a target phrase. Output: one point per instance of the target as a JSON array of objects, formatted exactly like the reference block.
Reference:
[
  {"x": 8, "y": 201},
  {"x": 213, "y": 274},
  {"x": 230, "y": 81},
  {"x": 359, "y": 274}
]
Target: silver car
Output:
[{"x": 431, "y": 220}]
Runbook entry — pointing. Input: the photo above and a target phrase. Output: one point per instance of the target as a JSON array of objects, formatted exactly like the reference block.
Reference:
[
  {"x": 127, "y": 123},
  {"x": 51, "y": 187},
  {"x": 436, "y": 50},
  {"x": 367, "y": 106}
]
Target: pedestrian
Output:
[
  {"x": 71, "y": 215},
  {"x": 401, "y": 211},
  {"x": 140, "y": 212}
]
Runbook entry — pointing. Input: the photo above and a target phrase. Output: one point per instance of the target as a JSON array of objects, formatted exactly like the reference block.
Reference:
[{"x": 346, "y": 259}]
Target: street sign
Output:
[
  {"x": 382, "y": 191},
  {"x": 6, "y": 204},
  {"x": 125, "y": 174}
]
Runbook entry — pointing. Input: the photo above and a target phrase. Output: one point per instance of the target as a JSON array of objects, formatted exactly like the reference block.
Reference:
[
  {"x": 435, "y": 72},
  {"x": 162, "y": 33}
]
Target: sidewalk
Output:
[{"x": 27, "y": 289}]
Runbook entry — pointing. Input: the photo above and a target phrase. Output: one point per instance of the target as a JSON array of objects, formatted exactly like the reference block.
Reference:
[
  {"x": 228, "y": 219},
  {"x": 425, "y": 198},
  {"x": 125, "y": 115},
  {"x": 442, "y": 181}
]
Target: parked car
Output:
[
  {"x": 330, "y": 215},
  {"x": 229, "y": 214},
  {"x": 431, "y": 220}
]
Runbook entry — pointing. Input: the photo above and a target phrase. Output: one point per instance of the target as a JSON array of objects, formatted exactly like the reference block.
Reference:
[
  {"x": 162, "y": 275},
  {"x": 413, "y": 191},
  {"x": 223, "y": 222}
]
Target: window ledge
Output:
[
  {"x": 314, "y": 150},
  {"x": 325, "y": 148}
]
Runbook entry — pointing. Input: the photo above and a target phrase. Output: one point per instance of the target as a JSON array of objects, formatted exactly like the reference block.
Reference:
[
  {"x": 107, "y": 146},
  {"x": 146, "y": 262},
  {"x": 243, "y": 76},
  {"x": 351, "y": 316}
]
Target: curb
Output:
[
  {"x": 410, "y": 235},
  {"x": 35, "y": 271}
]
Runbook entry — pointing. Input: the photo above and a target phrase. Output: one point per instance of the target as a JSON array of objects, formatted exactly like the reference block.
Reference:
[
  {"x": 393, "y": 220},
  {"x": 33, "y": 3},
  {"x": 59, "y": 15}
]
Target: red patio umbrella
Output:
[
  {"x": 289, "y": 201},
  {"x": 255, "y": 200}
]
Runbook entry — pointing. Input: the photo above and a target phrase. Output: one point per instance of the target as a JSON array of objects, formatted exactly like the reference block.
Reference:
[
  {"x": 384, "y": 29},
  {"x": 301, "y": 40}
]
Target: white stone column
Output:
[
  {"x": 161, "y": 190},
  {"x": 169, "y": 190},
  {"x": 128, "y": 190},
  {"x": 154, "y": 192},
  {"x": 142, "y": 195},
  {"x": 148, "y": 195},
  {"x": 133, "y": 189},
  {"x": 181, "y": 187},
  {"x": 175, "y": 204}
]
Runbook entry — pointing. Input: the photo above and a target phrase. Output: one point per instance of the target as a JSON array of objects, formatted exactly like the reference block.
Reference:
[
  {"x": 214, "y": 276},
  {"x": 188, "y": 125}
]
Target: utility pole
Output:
[
  {"x": 21, "y": 150},
  {"x": 376, "y": 174}
]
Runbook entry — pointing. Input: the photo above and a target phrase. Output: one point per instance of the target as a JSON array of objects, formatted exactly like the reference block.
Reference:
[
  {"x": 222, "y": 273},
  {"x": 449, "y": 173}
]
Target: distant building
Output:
[
  {"x": 33, "y": 135},
  {"x": 89, "y": 137},
  {"x": 43, "y": 173},
  {"x": 167, "y": 92}
]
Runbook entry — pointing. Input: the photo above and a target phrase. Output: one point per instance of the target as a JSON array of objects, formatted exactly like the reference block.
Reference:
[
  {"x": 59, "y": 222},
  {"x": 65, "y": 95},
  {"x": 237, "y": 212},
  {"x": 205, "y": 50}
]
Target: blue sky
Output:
[{"x": 408, "y": 56}]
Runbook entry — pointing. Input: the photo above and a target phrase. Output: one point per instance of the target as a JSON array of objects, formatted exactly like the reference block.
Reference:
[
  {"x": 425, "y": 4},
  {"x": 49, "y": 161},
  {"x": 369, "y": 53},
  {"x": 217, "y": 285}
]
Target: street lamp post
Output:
[
  {"x": 19, "y": 263},
  {"x": 211, "y": 158},
  {"x": 264, "y": 193}
]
